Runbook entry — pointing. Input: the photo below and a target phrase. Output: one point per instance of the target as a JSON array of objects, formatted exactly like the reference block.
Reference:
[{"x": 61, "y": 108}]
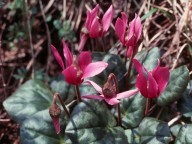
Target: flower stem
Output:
[
  {"x": 129, "y": 71},
  {"x": 119, "y": 114},
  {"x": 62, "y": 103},
  {"x": 104, "y": 47},
  {"x": 113, "y": 77},
  {"x": 147, "y": 106},
  {"x": 78, "y": 93}
]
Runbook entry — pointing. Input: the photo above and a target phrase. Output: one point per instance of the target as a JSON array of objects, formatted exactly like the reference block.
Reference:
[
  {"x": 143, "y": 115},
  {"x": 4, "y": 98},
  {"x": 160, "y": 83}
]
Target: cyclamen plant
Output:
[{"x": 147, "y": 89}]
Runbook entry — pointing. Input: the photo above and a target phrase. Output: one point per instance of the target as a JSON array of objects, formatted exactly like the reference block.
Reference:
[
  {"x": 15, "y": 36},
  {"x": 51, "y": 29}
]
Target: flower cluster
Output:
[{"x": 76, "y": 69}]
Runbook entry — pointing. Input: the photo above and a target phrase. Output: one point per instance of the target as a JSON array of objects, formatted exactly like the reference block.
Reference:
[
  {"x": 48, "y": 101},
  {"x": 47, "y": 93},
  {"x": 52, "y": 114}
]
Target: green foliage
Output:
[
  {"x": 185, "y": 103},
  {"x": 30, "y": 98},
  {"x": 150, "y": 131},
  {"x": 29, "y": 106},
  {"x": 115, "y": 65},
  {"x": 177, "y": 84},
  {"x": 92, "y": 122},
  {"x": 175, "y": 129},
  {"x": 39, "y": 129},
  {"x": 64, "y": 29},
  {"x": 149, "y": 58},
  {"x": 132, "y": 110},
  {"x": 184, "y": 136}
]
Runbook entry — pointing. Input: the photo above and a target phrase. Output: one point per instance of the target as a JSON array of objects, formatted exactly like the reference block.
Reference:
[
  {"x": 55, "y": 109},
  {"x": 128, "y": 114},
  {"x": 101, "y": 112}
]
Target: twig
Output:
[
  {"x": 171, "y": 122},
  {"x": 48, "y": 40},
  {"x": 29, "y": 36},
  {"x": 178, "y": 55},
  {"x": 2, "y": 73}
]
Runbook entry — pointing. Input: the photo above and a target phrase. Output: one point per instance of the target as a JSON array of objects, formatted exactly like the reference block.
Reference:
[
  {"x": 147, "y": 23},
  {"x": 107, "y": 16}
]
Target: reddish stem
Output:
[
  {"x": 62, "y": 103},
  {"x": 78, "y": 93}
]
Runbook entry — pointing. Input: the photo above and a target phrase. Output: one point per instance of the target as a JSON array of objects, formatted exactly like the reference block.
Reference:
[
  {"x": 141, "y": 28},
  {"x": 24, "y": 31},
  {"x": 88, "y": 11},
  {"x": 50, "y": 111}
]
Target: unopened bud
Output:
[{"x": 54, "y": 111}]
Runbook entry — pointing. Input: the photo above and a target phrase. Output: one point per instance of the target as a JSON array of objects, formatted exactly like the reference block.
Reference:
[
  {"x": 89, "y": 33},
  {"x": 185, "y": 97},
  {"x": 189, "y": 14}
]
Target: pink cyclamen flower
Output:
[
  {"x": 94, "y": 27},
  {"x": 76, "y": 71},
  {"x": 128, "y": 37},
  {"x": 151, "y": 84},
  {"x": 110, "y": 99}
]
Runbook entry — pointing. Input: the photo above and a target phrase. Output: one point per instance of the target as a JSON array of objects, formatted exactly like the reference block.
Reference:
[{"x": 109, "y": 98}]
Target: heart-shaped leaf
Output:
[
  {"x": 149, "y": 58},
  {"x": 185, "y": 103},
  {"x": 150, "y": 131},
  {"x": 153, "y": 131},
  {"x": 30, "y": 98},
  {"x": 39, "y": 129},
  {"x": 92, "y": 122},
  {"x": 66, "y": 90},
  {"x": 175, "y": 129},
  {"x": 133, "y": 136},
  {"x": 115, "y": 65},
  {"x": 132, "y": 110},
  {"x": 184, "y": 136},
  {"x": 179, "y": 79}
]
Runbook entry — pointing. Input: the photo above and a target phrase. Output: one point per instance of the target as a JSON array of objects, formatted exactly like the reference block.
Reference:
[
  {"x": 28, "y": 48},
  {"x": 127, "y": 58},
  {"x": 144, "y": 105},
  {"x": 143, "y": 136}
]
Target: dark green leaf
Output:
[
  {"x": 177, "y": 84},
  {"x": 115, "y": 65},
  {"x": 175, "y": 129},
  {"x": 132, "y": 110},
  {"x": 149, "y": 58},
  {"x": 66, "y": 90},
  {"x": 185, "y": 103},
  {"x": 184, "y": 136},
  {"x": 30, "y": 98},
  {"x": 39, "y": 129},
  {"x": 150, "y": 131},
  {"x": 153, "y": 131},
  {"x": 132, "y": 136},
  {"x": 92, "y": 122}
]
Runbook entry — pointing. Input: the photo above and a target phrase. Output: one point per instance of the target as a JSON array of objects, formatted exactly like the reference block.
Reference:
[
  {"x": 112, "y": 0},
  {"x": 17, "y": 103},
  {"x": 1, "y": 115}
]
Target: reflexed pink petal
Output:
[
  {"x": 156, "y": 68},
  {"x": 97, "y": 87},
  {"x": 112, "y": 101},
  {"x": 120, "y": 30},
  {"x": 95, "y": 28},
  {"x": 126, "y": 94},
  {"x": 162, "y": 77},
  {"x": 82, "y": 42},
  {"x": 56, "y": 124},
  {"x": 93, "y": 69},
  {"x": 57, "y": 56},
  {"x": 124, "y": 18},
  {"x": 70, "y": 75},
  {"x": 84, "y": 59},
  {"x": 152, "y": 86},
  {"x": 141, "y": 84},
  {"x": 93, "y": 97},
  {"x": 138, "y": 27},
  {"x": 90, "y": 16},
  {"x": 67, "y": 54},
  {"x": 107, "y": 19},
  {"x": 131, "y": 39},
  {"x": 129, "y": 51},
  {"x": 138, "y": 66}
]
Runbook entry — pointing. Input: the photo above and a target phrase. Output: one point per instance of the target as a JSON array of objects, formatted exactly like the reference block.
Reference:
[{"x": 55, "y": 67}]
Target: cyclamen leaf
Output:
[
  {"x": 92, "y": 122},
  {"x": 32, "y": 97},
  {"x": 115, "y": 65},
  {"x": 150, "y": 131},
  {"x": 185, "y": 103},
  {"x": 132, "y": 110},
  {"x": 149, "y": 58},
  {"x": 179, "y": 79},
  {"x": 184, "y": 136},
  {"x": 39, "y": 129}
]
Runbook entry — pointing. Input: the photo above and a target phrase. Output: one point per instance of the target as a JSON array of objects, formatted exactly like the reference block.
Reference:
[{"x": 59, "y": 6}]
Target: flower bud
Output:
[{"x": 55, "y": 113}]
